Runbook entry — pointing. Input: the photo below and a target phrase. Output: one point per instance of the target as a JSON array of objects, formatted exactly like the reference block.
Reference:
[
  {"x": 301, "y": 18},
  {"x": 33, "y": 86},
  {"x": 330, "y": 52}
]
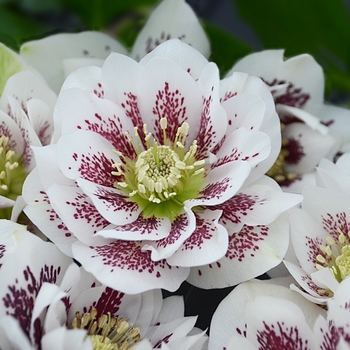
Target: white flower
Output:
[
  {"x": 26, "y": 119},
  {"x": 154, "y": 173},
  {"x": 321, "y": 242},
  {"x": 48, "y": 302},
  {"x": 310, "y": 128},
  {"x": 58, "y": 55},
  {"x": 264, "y": 315}
]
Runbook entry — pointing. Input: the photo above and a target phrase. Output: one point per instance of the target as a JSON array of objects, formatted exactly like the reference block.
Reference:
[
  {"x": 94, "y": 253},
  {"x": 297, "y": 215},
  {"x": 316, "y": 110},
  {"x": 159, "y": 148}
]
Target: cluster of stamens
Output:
[
  {"x": 160, "y": 172},
  {"x": 107, "y": 332},
  {"x": 336, "y": 256},
  {"x": 277, "y": 171},
  {"x": 7, "y": 165}
]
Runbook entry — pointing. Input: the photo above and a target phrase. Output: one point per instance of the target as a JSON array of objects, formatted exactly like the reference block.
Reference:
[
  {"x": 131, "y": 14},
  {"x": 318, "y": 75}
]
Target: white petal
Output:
[
  {"x": 171, "y": 19},
  {"x": 251, "y": 252},
  {"x": 207, "y": 244},
  {"x": 223, "y": 182},
  {"x": 47, "y": 55},
  {"x": 192, "y": 61},
  {"x": 122, "y": 265}
]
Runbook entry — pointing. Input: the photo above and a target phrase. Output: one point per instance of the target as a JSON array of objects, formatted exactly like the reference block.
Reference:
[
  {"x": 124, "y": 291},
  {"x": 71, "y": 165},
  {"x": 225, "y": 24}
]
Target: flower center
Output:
[
  {"x": 161, "y": 177},
  {"x": 277, "y": 171},
  {"x": 12, "y": 174},
  {"x": 107, "y": 332},
  {"x": 336, "y": 256}
]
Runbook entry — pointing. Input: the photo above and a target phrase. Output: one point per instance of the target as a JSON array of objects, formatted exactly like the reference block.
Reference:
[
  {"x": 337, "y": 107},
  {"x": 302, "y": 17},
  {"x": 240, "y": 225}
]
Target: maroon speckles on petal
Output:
[
  {"x": 165, "y": 340},
  {"x": 44, "y": 133},
  {"x": 2, "y": 251},
  {"x": 169, "y": 104},
  {"x": 152, "y": 43},
  {"x": 292, "y": 97},
  {"x": 331, "y": 337},
  {"x": 246, "y": 242},
  {"x": 237, "y": 207},
  {"x": 127, "y": 255},
  {"x": 133, "y": 112},
  {"x": 235, "y": 154},
  {"x": 115, "y": 201},
  {"x": 295, "y": 152},
  {"x": 314, "y": 287},
  {"x": 112, "y": 130},
  {"x": 96, "y": 168},
  {"x": 38, "y": 333},
  {"x": 5, "y": 131},
  {"x": 19, "y": 301},
  {"x": 332, "y": 223},
  {"x": 313, "y": 246},
  {"x": 214, "y": 190},
  {"x": 204, "y": 231},
  {"x": 281, "y": 336},
  {"x": 242, "y": 332},
  {"x": 206, "y": 138},
  {"x": 109, "y": 301},
  {"x": 228, "y": 95},
  {"x": 142, "y": 225},
  {"x": 98, "y": 91},
  {"x": 177, "y": 228},
  {"x": 85, "y": 210},
  {"x": 53, "y": 216}
]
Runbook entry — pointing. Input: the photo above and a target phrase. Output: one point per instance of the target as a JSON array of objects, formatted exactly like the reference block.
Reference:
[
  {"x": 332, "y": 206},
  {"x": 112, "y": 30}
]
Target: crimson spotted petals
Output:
[{"x": 149, "y": 156}]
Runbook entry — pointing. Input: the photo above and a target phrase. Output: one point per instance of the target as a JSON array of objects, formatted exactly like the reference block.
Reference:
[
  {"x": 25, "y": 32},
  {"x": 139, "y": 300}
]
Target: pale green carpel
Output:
[{"x": 10, "y": 63}]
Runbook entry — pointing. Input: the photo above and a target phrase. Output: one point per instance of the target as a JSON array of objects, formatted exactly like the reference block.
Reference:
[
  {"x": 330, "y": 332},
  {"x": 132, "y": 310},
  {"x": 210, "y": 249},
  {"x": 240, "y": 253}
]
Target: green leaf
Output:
[
  {"x": 99, "y": 13},
  {"x": 226, "y": 49},
  {"x": 318, "y": 27},
  {"x": 16, "y": 28}
]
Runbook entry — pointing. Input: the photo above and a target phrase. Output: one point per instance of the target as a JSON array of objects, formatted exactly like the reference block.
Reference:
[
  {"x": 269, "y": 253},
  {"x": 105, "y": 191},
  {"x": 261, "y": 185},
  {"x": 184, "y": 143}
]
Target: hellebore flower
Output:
[
  {"x": 310, "y": 128},
  {"x": 321, "y": 243},
  {"x": 147, "y": 159},
  {"x": 260, "y": 315},
  {"x": 48, "y": 302},
  {"x": 26, "y": 119}
]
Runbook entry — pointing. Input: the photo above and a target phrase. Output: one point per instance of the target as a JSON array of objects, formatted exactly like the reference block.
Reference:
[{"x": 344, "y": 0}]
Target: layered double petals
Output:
[
  {"x": 311, "y": 129},
  {"x": 48, "y": 302},
  {"x": 154, "y": 173}
]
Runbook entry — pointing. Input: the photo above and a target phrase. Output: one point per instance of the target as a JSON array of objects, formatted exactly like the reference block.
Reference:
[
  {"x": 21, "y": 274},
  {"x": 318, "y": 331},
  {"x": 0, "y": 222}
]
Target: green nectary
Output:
[{"x": 163, "y": 176}]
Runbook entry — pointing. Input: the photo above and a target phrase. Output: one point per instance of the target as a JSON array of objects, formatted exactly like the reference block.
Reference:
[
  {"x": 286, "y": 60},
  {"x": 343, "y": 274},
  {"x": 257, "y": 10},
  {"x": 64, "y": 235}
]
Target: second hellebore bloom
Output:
[{"x": 147, "y": 157}]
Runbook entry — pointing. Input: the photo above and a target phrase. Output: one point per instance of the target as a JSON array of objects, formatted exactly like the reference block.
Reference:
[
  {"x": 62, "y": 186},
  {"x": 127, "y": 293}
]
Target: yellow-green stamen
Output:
[
  {"x": 12, "y": 175},
  {"x": 336, "y": 255},
  {"x": 107, "y": 332},
  {"x": 277, "y": 171},
  {"x": 161, "y": 172}
]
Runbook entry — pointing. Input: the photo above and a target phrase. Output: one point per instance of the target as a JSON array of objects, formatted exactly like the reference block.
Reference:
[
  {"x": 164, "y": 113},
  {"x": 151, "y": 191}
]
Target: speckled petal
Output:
[
  {"x": 83, "y": 110},
  {"x": 181, "y": 228},
  {"x": 78, "y": 213},
  {"x": 223, "y": 182},
  {"x": 259, "y": 203},
  {"x": 207, "y": 244},
  {"x": 257, "y": 249},
  {"x": 24, "y": 272},
  {"x": 110, "y": 203},
  {"x": 173, "y": 95},
  {"x": 39, "y": 210},
  {"x": 122, "y": 265},
  {"x": 47, "y": 55},
  {"x": 91, "y": 158},
  {"x": 141, "y": 229},
  {"x": 171, "y": 19},
  {"x": 243, "y": 144}
]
